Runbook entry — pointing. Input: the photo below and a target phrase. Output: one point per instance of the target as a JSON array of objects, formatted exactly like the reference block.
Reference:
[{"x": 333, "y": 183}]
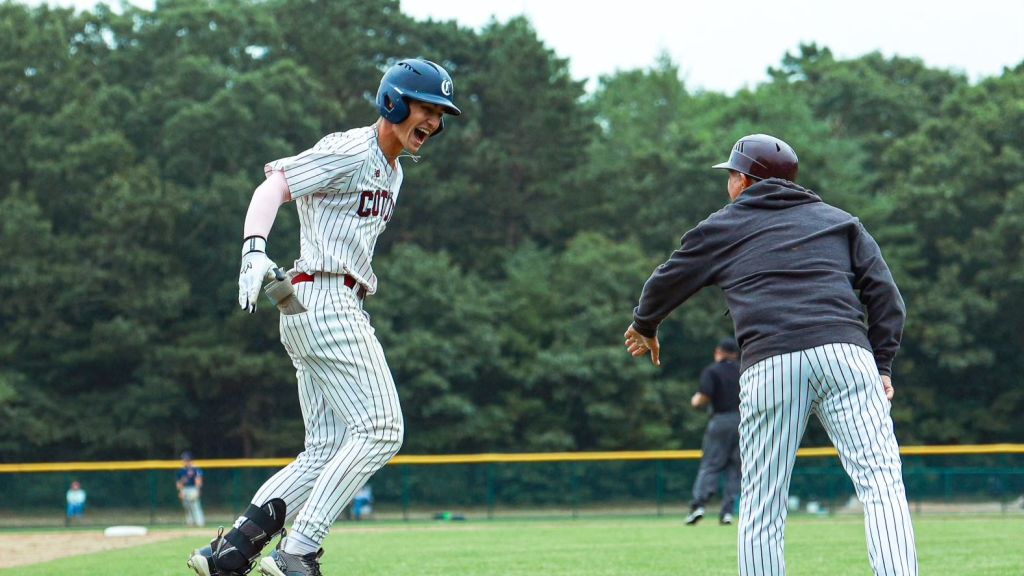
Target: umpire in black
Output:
[{"x": 719, "y": 387}]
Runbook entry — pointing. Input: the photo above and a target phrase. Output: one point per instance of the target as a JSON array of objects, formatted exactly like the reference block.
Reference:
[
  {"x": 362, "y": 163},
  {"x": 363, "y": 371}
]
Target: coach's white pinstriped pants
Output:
[
  {"x": 838, "y": 382},
  {"x": 349, "y": 405}
]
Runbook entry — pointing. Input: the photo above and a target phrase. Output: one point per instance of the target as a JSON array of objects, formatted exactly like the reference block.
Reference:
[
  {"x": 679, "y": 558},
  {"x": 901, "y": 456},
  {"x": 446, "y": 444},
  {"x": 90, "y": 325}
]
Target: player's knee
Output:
[
  {"x": 400, "y": 429},
  {"x": 390, "y": 431},
  {"x": 384, "y": 434},
  {"x": 389, "y": 440},
  {"x": 316, "y": 454},
  {"x": 396, "y": 445},
  {"x": 392, "y": 437}
]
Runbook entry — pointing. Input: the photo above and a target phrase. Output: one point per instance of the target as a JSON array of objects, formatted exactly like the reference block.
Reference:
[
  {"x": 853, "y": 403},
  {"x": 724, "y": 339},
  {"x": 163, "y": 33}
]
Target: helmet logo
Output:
[{"x": 446, "y": 87}]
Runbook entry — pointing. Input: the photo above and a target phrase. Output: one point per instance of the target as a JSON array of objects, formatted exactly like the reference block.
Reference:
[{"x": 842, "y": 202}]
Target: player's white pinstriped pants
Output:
[
  {"x": 838, "y": 382},
  {"x": 349, "y": 404}
]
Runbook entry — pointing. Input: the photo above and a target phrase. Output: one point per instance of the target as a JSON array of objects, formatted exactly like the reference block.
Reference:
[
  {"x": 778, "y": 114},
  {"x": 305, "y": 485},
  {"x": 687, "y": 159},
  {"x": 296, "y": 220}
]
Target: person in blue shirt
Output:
[
  {"x": 76, "y": 502},
  {"x": 189, "y": 481},
  {"x": 362, "y": 504}
]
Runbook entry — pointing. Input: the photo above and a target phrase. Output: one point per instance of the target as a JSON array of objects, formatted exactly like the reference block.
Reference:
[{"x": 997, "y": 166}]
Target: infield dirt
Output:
[{"x": 25, "y": 549}]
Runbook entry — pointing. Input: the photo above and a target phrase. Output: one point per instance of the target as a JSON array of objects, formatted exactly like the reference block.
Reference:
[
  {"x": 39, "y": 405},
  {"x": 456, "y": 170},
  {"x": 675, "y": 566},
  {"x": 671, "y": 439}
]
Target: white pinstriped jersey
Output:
[{"x": 345, "y": 192}]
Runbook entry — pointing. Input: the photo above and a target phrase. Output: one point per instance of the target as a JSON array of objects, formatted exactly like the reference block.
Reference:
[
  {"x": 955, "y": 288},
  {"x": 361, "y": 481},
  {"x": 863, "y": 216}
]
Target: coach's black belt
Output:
[{"x": 349, "y": 280}]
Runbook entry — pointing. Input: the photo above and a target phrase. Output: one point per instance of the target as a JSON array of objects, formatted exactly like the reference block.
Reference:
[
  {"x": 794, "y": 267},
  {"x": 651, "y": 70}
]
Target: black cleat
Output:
[{"x": 281, "y": 563}]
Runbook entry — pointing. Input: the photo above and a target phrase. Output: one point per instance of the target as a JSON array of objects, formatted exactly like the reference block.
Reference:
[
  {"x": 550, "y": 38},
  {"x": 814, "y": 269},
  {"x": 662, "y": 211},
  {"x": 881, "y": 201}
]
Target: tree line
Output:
[{"x": 132, "y": 141}]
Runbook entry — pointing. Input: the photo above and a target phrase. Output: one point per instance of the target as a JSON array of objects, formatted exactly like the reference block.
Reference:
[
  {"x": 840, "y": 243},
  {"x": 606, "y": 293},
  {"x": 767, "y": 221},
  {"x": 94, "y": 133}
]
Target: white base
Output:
[{"x": 116, "y": 531}]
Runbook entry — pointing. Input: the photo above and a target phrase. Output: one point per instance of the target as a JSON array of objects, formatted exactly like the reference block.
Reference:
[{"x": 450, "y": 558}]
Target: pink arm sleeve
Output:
[{"x": 266, "y": 200}]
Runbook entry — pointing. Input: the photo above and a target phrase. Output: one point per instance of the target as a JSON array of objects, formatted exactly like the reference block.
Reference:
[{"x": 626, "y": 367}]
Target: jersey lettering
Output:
[{"x": 376, "y": 203}]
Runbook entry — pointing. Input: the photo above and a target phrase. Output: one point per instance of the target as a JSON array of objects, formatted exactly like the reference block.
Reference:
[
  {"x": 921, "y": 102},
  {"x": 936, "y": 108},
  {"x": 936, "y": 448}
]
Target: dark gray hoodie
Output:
[{"x": 796, "y": 272}]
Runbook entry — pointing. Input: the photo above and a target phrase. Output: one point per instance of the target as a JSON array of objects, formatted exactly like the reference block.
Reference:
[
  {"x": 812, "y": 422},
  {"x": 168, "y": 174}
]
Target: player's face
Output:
[
  {"x": 738, "y": 182},
  {"x": 424, "y": 119},
  {"x": 735, "y": 184}
]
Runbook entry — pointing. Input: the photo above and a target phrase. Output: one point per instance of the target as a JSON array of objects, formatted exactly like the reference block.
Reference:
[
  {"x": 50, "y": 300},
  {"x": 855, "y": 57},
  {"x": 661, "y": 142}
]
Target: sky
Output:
[{"x": 725, "y": 45}]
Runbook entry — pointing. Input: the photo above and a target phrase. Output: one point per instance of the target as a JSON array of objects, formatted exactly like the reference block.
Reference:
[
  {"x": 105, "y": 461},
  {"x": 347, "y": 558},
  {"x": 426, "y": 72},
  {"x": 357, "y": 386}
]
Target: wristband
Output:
[{"x": 254, "y": 244}]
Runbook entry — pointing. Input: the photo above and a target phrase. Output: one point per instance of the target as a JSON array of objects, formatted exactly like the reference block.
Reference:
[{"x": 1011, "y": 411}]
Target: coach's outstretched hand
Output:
[{"x": 639, "y": 345}]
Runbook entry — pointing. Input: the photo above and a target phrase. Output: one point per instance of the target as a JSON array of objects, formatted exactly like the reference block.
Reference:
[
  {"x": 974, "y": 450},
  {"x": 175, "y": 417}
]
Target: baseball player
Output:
[
  {"x": 189, "y": 482},
  {"x": 819, "y": 320},
  {"x": 719, "y": 388},
  {"x": 345, "y": 189}
]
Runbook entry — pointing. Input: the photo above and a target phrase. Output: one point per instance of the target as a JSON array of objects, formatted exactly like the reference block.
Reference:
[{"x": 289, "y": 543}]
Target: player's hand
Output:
[
  {"x": 639, "y": 345},
  {"x": 887, "y": 386},
  {"x": 256, "y": 268}
]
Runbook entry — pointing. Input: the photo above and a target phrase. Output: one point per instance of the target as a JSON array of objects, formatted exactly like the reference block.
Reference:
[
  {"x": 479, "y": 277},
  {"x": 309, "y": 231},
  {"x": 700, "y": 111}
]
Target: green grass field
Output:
[{"x": 948, "y": 545}]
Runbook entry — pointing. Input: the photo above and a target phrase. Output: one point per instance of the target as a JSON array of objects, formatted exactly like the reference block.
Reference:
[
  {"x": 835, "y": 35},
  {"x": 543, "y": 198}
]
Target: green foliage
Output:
[
  {"x": 958, "y": 189},
  {"x": 131, "y": 143}
]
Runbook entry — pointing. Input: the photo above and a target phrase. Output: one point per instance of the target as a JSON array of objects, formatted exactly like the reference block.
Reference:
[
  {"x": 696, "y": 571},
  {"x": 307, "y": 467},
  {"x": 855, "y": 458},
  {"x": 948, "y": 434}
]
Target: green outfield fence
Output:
[{"x": 947, "y": 479}]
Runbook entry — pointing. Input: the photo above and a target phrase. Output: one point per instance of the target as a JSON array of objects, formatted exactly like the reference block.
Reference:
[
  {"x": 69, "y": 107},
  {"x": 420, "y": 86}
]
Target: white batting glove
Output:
[{"x": 256, "y": 268}]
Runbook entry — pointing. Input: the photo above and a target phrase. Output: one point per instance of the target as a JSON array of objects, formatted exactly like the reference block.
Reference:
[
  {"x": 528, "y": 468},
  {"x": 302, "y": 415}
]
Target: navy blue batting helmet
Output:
[{"x": 415, "y": 79}]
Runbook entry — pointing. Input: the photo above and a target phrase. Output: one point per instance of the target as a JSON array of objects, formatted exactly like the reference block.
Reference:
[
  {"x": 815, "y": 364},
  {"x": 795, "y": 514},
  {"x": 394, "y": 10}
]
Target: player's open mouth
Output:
[{"x": 420, "y": 135}]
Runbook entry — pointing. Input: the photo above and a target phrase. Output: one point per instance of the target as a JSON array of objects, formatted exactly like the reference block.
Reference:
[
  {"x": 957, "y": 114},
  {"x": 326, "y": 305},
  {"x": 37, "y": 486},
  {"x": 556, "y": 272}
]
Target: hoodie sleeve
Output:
[
  {"x": 882, "y": 300},
  {"x": 687, "y": 271}
]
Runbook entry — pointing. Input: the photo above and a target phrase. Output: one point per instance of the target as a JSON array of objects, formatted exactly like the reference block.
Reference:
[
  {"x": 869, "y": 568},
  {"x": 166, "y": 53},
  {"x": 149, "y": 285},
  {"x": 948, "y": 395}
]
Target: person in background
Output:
[
  {"x": 76, "y": 502},
  {"x": 189, "y": 481},
  {"x": 362, "y": 504},
  {"x": 719, "y": 388}
]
